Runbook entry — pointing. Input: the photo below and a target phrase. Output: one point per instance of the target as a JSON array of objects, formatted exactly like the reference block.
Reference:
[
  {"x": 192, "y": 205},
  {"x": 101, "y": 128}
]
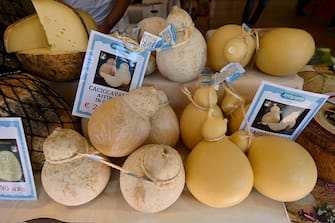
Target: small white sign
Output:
[
  {"x": 16, "y": 176},
  {"x": 111, "y": 68},
  {"x": 282, "y": 111}
]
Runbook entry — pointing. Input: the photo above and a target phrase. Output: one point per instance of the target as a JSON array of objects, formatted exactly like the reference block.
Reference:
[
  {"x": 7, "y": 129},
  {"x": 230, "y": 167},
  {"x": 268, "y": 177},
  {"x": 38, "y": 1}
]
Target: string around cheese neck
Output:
[
  {"x": 96, "y": 156},
  {"x": 129, "y": 43},
  {"x": 244, "y": 113},
  {"x": 156, "y": 181},
  {"x": 189, "y": 96}
]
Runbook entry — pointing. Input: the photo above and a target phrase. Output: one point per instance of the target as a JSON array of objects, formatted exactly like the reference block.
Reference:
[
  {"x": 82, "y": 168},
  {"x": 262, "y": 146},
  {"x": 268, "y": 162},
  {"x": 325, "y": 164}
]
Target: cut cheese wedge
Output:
[
  {"x": 64, "y": 28},
  {"x": 90, "y": 23},
  {"x": 27, "y": 33}
]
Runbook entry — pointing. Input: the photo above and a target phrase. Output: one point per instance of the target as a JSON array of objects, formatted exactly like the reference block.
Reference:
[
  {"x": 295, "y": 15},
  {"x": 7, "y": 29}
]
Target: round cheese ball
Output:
[
  {"x": 284, "y": 51},
  {"x": 283, "y": 169},
  {"x": 159, "y": 162},
  {"x": 218, "y": 173},
  {"x": 76, "y": 182}
]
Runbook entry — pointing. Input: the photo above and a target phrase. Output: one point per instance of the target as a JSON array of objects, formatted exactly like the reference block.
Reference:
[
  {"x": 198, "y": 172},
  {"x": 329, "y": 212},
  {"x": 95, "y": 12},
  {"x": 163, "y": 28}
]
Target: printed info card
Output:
[
  {"x": 282, "y": 111},
  {"x": 16, "y": 177},
  {"x": 111, "y": 68}
]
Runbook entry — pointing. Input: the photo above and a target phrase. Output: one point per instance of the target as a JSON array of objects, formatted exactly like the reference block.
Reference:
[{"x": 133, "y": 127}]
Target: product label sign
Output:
[
  {"x": 282, "y": 111},
  {"x": 16, "y": 176},
  {"x": 112, "y": 67}
]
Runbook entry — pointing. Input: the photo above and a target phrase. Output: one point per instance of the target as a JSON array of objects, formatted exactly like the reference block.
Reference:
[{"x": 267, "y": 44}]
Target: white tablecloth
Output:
[{"x": 110, "y": 207}]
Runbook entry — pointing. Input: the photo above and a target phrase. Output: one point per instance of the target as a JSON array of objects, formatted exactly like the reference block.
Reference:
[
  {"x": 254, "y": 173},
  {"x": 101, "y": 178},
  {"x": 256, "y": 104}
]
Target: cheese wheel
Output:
[
  {"x": 32, "y": 30},
  {"x": 40, "y": 108},
  {"x": 52, "y": 65},
  {"x": 64, "y": 28}
]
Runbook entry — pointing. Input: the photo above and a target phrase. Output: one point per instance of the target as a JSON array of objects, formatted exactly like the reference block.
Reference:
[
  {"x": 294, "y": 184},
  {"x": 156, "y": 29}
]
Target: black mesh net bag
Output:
[
  {"x": 40, "y": 108},
  {"x": 11, "y": 11}
]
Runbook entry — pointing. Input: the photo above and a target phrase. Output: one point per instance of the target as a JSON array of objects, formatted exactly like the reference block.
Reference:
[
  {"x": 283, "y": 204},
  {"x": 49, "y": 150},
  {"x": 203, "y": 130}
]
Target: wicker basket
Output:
[{"x": 319, "y": 140}]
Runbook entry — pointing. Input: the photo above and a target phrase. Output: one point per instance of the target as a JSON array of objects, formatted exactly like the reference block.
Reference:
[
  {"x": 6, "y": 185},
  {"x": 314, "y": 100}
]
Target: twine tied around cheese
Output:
[
  {"x": 231, "y": 90},
  {"x": 216, "y": 139},
  {"x": 129, "y": 43},
  {"x": 96, "y": 156},
  {"x": 187, "y": 35},
  {"x": 187, "y": 92},
  {"x": 153, "y": 179},
  {"x": 254, "y": 34}
]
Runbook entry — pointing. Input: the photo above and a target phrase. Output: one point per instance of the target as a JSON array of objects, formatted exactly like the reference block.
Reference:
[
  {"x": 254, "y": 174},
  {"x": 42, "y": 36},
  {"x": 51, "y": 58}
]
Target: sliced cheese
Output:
[
  {"x": 90, "y": 23},
  {"x": 64, "y": 28},
  {"x": 27, "y": 33}
]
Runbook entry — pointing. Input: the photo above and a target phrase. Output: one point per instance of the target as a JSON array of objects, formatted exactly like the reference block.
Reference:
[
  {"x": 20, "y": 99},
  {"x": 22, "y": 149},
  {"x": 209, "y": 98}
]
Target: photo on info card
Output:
[
  {"x": 111, "y": 68},
  {"x": 282, "y": 111},
  {"x": 16, "y": 175}
]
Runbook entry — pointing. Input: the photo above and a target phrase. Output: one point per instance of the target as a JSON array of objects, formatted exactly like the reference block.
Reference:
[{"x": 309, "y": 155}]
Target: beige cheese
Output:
[
  {"x": 64, "y": 28},
  {"x": 25, "y": 34}
]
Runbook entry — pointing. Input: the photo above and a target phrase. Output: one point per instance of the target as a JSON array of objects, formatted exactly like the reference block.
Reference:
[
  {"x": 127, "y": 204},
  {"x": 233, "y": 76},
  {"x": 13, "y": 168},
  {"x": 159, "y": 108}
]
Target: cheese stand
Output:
[{"x": 110, "y": 206}]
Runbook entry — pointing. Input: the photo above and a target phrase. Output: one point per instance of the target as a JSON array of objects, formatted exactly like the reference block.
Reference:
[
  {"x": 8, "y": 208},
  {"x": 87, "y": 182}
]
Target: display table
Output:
[{"x": 110, "y": 207}]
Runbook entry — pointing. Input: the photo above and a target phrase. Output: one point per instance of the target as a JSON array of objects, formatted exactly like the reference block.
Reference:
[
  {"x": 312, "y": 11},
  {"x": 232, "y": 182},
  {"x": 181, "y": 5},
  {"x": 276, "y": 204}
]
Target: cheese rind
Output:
[{"x": 52, "y": 65}]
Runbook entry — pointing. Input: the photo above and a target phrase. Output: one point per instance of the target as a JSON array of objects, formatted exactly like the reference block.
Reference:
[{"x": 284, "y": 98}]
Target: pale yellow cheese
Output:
[
  {"x": 283, "y": 169},
  {"x": 27, "y": 33},
  {"x": 218, "y": 174},
  {"x": 64, "y": 28},
  {"x": 283, "y": 51},
  {"x": 90, "y": 23},
  {"x": 191, "y": 121},
  {"x": 218, "y": 55}
]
